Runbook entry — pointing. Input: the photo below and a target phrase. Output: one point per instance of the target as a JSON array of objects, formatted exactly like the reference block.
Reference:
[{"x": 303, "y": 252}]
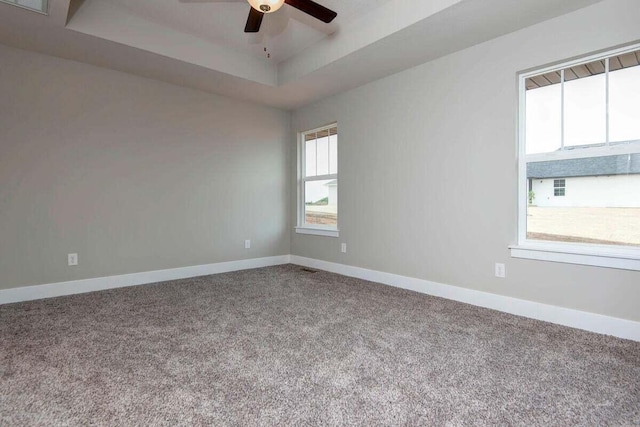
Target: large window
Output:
[
  {"x": 579, "y": 161},
  {"x": 318, "y": 200}
]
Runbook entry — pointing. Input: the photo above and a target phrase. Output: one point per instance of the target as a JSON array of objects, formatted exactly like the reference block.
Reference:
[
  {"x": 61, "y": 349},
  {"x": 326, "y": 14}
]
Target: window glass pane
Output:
[
  {"x": 585, "y": 99},
  {"x": 32, "y": 4},
  {"x": 39, "y": 5},
  {"x": 624, "y": 97},
  {"x": 321, "y": 202},
  {"x": 323, "y": 154},
  {"x": 596, "y": 201},
  {"x": 333, "y": 152},
  {"x": 310, "y": 156},
  {"x": 543, "y": 113}
]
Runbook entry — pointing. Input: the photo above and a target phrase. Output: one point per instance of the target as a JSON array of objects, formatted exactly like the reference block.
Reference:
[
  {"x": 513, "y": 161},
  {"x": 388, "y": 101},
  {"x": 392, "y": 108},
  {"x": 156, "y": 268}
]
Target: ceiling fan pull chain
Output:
[{"x": 266, "y": 39}]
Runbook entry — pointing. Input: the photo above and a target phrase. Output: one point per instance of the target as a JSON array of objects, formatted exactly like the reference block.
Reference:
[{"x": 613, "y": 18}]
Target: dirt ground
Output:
[
  {"x": 321, "y": 218},
  {"x": 609, "y": 226},
  {"x": 613, "y": 226}
]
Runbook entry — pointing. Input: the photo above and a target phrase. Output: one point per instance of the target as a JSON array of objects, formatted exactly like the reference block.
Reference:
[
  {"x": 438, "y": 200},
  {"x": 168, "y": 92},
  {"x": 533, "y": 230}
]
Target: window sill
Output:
[
  {"x": 620, "y": 258},
  {"x": 318, "y": 231}
]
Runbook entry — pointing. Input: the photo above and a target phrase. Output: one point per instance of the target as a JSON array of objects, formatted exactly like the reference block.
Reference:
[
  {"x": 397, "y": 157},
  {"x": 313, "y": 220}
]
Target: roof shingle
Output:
[{"x": 622, "y": 164}]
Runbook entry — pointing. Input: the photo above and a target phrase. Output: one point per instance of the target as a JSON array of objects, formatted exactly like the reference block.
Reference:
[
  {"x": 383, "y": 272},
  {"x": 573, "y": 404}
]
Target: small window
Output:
[
  {"x": 580, "y": 122},
  {"x": 558, "y": 187},
  {"x": 318, "y": 200},
  {"x": 36, "y": 5}
]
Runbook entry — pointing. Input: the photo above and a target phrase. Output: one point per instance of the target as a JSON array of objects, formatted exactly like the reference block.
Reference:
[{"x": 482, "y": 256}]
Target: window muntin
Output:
[
  {"x": 318, "y": 203},
  {"x": 558, "y": 187},
  {"x": 580, "y": 126}
]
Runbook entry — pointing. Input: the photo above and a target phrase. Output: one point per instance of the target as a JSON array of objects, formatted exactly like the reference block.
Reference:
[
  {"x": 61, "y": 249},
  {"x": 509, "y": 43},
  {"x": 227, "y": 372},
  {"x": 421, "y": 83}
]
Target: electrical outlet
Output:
[
  {"x": 343, "y": 248},
  {"x": 247, "y": 244},
  {"x": 72, "y": 259},
  {"x": 501, "y": 270}
]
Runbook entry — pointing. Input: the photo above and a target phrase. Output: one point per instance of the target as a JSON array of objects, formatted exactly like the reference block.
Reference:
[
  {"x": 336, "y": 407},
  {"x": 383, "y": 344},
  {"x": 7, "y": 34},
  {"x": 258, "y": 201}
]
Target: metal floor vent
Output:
[{"x": 308, "y": 270}]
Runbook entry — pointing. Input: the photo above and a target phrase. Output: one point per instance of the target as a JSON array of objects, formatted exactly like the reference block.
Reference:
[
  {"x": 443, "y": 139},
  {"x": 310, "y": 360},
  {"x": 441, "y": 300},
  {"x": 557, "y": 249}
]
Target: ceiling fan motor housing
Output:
[
  {"x": 261, "y": 7},
  {"x": 266, "y": 6}
]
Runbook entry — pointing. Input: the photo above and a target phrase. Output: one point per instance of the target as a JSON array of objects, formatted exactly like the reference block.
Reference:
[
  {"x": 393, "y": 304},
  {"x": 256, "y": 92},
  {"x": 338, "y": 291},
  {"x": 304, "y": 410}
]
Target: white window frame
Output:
[
  {"x": 302, "y": 226},
  {"x": 611, "y": 256},
  {"x": 562, "y": 187}
]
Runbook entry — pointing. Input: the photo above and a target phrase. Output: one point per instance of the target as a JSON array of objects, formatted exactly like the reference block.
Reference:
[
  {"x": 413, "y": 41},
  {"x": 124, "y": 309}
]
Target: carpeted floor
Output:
[{"x": 282, "y": 346}]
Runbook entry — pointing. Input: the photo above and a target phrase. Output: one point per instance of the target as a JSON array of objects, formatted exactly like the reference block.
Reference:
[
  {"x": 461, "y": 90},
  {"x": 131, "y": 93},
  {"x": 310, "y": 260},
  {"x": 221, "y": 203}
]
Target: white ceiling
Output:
[
  {"x": 203, "y": 46},
  {"x": 285, "y": 32}
]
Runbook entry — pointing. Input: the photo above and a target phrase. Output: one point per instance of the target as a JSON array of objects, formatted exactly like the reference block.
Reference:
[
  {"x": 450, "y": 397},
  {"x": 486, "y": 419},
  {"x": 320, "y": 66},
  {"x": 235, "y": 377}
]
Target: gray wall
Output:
[
  {"x": 132, "y": 174},
  {"x": 137, "y": 175},
  {"x": 428, "y": 172}
]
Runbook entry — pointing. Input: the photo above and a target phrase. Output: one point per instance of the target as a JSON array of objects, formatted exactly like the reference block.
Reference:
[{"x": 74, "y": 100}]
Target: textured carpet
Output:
[{"x": 281, "y": 346}]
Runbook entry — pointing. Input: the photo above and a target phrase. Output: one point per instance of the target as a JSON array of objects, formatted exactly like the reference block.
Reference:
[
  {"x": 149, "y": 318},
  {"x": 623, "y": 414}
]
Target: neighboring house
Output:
[{"x": 610, "y": 181}]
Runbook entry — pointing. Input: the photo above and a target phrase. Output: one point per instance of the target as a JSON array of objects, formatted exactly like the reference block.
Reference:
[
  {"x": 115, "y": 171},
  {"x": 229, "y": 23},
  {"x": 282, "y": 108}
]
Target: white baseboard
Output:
[
  {"x": 621, "y": 328},
  {"x": 607, "y": 325},
  {"x": 28, "y": 293}
]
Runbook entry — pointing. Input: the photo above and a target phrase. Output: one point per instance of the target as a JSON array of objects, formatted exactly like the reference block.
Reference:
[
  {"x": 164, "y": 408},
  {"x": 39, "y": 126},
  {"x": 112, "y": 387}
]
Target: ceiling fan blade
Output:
[
  {"x": 253, "y": 21},
  {"x": 314, "y": 9}
]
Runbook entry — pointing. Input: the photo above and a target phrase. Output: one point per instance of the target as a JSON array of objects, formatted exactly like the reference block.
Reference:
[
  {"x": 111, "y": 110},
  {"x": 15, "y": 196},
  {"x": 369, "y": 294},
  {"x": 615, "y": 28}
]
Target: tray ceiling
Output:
[{"x": 202, "y": 44}]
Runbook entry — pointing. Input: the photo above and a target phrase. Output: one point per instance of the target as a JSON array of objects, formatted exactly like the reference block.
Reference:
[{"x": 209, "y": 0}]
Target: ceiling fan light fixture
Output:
[{"x": 266, "y": 6}]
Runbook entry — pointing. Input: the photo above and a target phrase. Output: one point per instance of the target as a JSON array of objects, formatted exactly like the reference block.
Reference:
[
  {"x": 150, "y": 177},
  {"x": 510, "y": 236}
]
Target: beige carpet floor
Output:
[{"x": 283, "y": 346}]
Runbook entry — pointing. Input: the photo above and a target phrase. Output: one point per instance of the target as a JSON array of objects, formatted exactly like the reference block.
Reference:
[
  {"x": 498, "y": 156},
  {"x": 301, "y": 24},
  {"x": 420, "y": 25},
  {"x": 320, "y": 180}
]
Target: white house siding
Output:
[
  {"x": 333, "y": 194},
  {"x": 591, "y": 191}
]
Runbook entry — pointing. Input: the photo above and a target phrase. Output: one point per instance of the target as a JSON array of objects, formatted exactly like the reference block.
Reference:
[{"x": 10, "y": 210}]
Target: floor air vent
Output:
[{"x": 308, "y": 270}]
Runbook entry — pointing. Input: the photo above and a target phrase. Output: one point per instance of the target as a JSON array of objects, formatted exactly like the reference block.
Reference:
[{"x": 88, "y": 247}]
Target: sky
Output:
[{"x": 585, "y": 111}]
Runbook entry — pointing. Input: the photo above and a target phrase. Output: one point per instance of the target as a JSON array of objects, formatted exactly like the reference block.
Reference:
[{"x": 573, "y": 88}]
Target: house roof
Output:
[
  {"x": 626, "y": 60},
  {"x": 622, "y": 164}
]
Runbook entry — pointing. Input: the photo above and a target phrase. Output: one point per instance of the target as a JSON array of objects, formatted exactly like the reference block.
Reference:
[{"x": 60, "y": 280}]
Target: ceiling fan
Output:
[{"x": 261, "y": 7}]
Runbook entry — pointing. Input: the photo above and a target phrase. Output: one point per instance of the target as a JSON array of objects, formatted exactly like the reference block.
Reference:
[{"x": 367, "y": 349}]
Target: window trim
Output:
[
  {"x": 610, "y": 256},
  {"x": 302, "y": 227}
]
